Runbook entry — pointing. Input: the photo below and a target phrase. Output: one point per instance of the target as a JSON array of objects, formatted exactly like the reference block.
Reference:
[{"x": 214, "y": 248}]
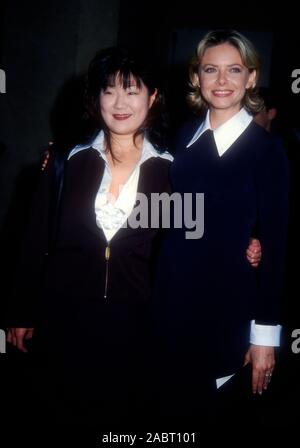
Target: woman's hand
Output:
[
  {"x": 17, "y": 336},
  {"x": 262, "y": 359},
  {"x": 254, "y": 252}
]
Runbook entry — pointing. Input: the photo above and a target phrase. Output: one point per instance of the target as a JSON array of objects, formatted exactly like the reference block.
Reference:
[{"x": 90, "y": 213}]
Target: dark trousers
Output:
[{"x": 195, "y": 404}]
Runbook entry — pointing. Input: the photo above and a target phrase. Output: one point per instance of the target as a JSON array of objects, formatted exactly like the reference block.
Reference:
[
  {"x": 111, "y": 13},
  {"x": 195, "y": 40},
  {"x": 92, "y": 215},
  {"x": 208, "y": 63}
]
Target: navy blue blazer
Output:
[
  {"x": 73, "y": 274},
  {"x": 209, "y": 292}
]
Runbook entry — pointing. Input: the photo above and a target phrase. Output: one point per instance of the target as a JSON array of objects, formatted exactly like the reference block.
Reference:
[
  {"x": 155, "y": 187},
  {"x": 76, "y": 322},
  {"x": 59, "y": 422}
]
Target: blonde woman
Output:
[{"x": 219, "y": 312}]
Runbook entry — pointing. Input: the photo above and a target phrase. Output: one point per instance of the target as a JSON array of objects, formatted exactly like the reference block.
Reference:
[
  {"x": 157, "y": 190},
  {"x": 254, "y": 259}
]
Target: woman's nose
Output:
[
  {"x": 222, "y": 77},
  {"x": 120, "y": 100}
]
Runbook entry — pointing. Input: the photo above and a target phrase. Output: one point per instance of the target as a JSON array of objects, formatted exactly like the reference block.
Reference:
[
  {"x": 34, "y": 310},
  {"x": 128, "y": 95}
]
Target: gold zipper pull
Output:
[
  {"x": 107, "y": 256},
  {"x": 107, "y": 253}
]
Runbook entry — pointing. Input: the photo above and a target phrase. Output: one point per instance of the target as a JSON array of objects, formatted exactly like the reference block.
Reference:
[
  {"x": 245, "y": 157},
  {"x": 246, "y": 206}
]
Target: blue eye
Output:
[
  {"x": 235, "y": 70},
  {"x": 209, "y": 69}
]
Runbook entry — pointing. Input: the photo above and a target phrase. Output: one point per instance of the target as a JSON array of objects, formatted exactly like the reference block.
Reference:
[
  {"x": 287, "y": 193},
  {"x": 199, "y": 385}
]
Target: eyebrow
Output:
[
  {"x": 229, "y": 65},
  {"x": 124, "y": 87}
]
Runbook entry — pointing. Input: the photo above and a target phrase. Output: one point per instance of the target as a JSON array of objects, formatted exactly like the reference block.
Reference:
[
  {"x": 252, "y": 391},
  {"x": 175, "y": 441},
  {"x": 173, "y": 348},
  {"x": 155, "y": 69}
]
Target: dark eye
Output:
[
  {"x": 132, "y": 90},
  {"x": 235, "y": 70}
]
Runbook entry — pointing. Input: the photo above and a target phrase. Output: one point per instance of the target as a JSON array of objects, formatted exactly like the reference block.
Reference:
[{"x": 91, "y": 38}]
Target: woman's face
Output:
[
  {"x": 223, "y": 78},
  {"x": 125, "y": 109}
]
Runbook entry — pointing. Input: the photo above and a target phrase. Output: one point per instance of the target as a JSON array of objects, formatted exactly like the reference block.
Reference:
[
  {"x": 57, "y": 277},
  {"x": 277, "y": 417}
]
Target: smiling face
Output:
[
  {"x": 223, "y": 79},
  {"x": 124, "y": 109}
]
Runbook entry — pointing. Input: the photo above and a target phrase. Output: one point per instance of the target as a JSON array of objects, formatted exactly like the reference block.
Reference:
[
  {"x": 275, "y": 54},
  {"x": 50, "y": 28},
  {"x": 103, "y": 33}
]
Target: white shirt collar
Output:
[
  {"x": 226, "y": 134},
  {"x": 148, "y": 149},
  {"x": 111, "y": 217}
]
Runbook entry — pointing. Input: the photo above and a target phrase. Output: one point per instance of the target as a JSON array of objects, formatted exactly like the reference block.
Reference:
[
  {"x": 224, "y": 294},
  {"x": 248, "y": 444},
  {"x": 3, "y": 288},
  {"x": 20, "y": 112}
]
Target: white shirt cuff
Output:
[{"x": 268, "y": 335}]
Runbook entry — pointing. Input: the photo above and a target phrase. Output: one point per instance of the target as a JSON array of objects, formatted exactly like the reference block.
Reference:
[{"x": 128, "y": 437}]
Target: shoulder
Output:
[
  {"x": 83, "y": 156},
  {"x": 156, "y": 171},
  {"x": 183, "y": 135},
  {"x": 154, "y": 175},
  {"x": 150, "y": 150},
  {"x": 86, "y": 164},
  {"x": 155, "y": 163},
  {"x": 88, "y": 145},
  {"x": 258, "y": 132},
  {"x": 263, "y": 144},
  {"x": 80, "y": 151},
  {"x": 158, "y": 164},
  {"x": 161, "y": 157},
  {"x": 269, "y": 155},
  {"x": 165, "y": 156}
]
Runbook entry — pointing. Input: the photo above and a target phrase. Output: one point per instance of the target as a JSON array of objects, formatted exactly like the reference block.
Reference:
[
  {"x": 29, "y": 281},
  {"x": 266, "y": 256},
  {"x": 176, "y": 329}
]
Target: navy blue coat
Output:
[{"x": 207, "y": 291}]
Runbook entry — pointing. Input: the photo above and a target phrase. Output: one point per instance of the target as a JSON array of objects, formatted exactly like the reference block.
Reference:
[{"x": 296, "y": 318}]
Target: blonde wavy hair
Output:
[{"x": 250, "y": 58}]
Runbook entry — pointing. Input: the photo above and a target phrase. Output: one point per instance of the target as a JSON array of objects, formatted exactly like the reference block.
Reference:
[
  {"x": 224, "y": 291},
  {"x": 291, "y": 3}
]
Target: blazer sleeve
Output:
[
  {"x": 272, "y": 199},
  {"x": 28, "y": 275}
]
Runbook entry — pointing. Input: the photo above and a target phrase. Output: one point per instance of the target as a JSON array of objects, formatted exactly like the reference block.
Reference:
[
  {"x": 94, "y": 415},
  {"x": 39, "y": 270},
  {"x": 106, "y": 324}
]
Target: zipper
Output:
[{"x": 107, "y": 257}]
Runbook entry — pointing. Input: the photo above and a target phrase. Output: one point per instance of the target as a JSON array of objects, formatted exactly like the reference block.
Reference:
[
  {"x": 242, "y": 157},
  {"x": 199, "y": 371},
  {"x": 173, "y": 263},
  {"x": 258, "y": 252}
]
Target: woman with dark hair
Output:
[
  {"x": 217, "y": 313},
  {"x": 89, "y": 292}
]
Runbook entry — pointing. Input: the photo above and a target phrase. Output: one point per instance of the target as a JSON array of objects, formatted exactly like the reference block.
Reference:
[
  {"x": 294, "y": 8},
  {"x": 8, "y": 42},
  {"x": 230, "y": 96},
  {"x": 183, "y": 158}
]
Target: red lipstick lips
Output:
[{"x": 121, "y": 116}]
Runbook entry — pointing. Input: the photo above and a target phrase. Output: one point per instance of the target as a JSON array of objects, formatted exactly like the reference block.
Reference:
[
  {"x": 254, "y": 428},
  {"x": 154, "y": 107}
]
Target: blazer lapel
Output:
[{"x": 144, "y": 187}]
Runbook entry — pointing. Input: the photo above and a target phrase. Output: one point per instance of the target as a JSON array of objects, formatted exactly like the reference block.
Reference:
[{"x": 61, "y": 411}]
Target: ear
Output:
[
  {"x": 152, "y": 98},
  {"x": 272, "y": 113},
  {"x": 195, "y": 80},
  {"x": 251, "y": 80}
]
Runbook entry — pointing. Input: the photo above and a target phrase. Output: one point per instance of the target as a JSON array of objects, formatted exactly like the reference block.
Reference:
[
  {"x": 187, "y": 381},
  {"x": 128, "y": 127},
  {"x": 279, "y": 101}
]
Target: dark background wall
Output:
[
  {"x": 46, "y": 46},
  {"x": 43, "y": 46},
  {"x": 159, "y": 27}
]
